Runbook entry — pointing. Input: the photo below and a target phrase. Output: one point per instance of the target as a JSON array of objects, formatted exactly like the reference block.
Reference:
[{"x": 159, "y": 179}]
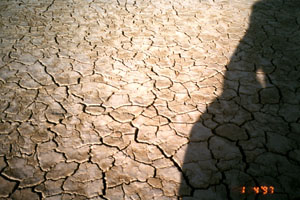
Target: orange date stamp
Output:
[{"x": 258, "y": 190}]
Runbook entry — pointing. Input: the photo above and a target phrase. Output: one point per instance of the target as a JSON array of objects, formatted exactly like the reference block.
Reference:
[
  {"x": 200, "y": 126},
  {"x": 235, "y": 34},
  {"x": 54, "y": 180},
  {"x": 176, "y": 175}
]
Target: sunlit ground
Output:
[{"x": 149, "y": 100}]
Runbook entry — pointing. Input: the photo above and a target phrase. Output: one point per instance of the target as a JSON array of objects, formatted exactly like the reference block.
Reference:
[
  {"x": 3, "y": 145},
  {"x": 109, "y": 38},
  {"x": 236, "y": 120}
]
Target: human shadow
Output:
[{"x": 249, "y": 136}]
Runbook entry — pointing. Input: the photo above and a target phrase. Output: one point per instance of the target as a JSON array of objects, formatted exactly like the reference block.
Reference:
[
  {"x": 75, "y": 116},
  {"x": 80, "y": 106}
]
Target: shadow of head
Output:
[
  {"x": 272, "y": 41},
  {"x": 268, "y": 54}
]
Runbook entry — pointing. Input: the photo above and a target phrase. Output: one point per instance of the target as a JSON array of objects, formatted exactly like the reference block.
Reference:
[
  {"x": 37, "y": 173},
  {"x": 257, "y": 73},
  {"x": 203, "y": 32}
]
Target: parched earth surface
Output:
[{"x": 149, "y": 99}]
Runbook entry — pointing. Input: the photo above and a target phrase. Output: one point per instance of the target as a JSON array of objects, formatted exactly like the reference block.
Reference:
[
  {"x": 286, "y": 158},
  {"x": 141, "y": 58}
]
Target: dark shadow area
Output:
[{"x": 250, "y": 135}]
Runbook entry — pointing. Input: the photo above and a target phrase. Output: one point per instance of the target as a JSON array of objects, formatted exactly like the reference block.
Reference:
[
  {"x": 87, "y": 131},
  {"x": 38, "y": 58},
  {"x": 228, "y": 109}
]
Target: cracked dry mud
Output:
[{"x": 164, "y": 100}]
